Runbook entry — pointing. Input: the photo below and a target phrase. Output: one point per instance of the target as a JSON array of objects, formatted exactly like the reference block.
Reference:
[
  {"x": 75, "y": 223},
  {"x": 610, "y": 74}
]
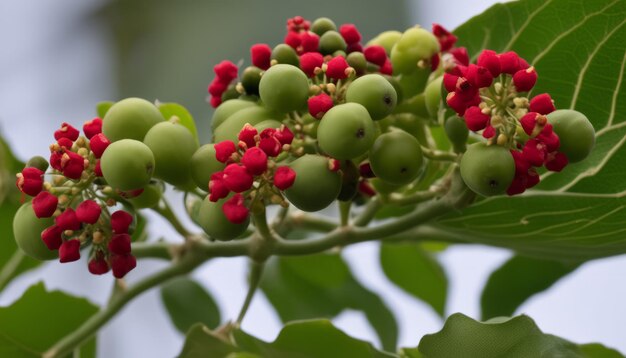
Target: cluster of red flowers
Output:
[
  {"x": 247, "y": 162},
  {"x": 490, "y": 96},
  {"x": 77, "y": 219}
]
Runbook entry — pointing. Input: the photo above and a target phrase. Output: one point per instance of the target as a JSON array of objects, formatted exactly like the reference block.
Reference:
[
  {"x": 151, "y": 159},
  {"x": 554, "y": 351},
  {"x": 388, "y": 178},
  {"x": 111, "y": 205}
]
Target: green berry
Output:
[
  {"x": 284, "y": 88},
  {"x": 346, "y": 131},
  {"x": 211, "y": 218},
  {"x": 396, "y": 157},
  {"x": 27, "y": 230},
  {"x": 432, "y": 94},
  {"x": 414, "y": 48},
  {"x": 130, "y": 118},
  {"x": 226, "y": 109},
  {"x": 487, "y": 169},
  {"x": 150, "y": 196},
  {"x": 203, "y": 164},
  {"x": 375, "y": 93},
  {"x": 322, "y": 25},
  {"x": 284, "y": 54},
  {"x": 172, "y": 145},
  {"x": 270, "y": 123},
  {"x": 575, "y": 132},
  {"x": 127, "y": 164},
  {"x": 332, "y": 41},
  {"x": 457, "y": 133},
  {"x": 38, "y": 162},
  {"x": 316, "y": 186},
  {"x": 250, "y": 79},
  {"x": 386, "y": 39},
  {"x": 230, "y": 128},
  {"x": 357, "y": 61}
]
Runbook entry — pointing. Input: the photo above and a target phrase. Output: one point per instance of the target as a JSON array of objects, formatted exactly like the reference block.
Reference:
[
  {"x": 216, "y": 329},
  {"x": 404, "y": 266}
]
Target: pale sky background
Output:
[{"x": 44, "y": 62}]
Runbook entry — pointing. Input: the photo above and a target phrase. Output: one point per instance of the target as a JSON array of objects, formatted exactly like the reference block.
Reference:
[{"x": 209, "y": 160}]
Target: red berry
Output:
[
  {"x": 337, "y": 68},
  {"x": 92, "y": 127},
  {"x": 120, "y": 221},
  {"x": 51, "y": 236},
  {"x": 69, "y": 251},
  {"x": 255, "y": 161},
  {"x": 122, "y": 264},
  {"x": 320, "y": 104},
  {"x": 261, "y": 55},
  {"x": 236, "y": 178},
  {"x": 120, "y": 244},
  {"x": 45, "y": 204},
  {"x": 235, "y": 210},
  {"x": 88, "y": 212},
  {"x": 66, "y": 131},
  {"x": 284, "y": 177}
]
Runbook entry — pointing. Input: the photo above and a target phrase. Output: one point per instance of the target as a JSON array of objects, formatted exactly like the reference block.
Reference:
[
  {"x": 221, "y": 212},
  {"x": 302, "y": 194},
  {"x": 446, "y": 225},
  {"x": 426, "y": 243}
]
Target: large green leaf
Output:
[
  {"x": 577, "y": 47},
  {"x": 514, "y": 337},
  {"x": 39, "y": 319},
  {"x": 188, "y": 303},
  {"x": 322, "y": 286},
  {"x": 201, "y": 342},
  {"x": 416, "y": 271},
  {"x": 517, "y": 280}
]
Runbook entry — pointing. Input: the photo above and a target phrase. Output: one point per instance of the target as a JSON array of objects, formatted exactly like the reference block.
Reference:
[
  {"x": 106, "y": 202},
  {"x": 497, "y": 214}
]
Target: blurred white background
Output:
[{"x": 54, "y": 67}]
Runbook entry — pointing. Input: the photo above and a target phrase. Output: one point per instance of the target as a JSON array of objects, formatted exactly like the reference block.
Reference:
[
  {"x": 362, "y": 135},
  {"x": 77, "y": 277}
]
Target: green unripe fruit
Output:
[
  {"x": 211, "y": 218},
  {"x": 284, "y": 88},
  {"x": 432, "y": 94},
  {"x": 127, "y": 164},
  {"x": 357, "y": 61},
  {"x": 203, "y": 164},
  {"x": 230, "y": 128},
  {"x": 250, "y": 79},
  {"x": 346, "y": 131},
  {"x": 349, "y": 181},
  {"x": 384, "y": 187},
  {"x": 375, "y": 93},
  {"x": 226, "y": 109},
  {"x": 415, "y": 105},
  {"x": 172, "y": 145},
  {"x": 149, "y": 198},
  {"x": 130, "y": 118},
  {"x": 315, "y": 186},
  {"x": 38, "y": 162},
  {"x": 487, "y": 170},
  {"x": 322, "y": 25},
  {"x": 396, "y": 157},
  {"x": 457, "y": 132},
  {"x": 396, "y": 86},
  {"x": 386, "y": 39},
  {"x": 284, "y": 54},
  {"x": 230, "y": 93},
  {"x": 415, "y": 46},
  {"x": 27, "y": 229},
  {"x": 332, "y": 41},
  {"x": 575, "y": 132},
  {"x": 270, "y": 123},
  {"x": 415, "y": 82}
]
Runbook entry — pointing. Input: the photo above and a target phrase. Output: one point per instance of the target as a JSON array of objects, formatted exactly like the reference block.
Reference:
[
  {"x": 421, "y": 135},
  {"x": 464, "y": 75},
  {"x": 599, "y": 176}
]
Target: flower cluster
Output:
[
  {"x": 225, "y": 73},
  {"x": 491, "y": 96},
  {"x": 80, "y": 216},
  {"x": 251, "y": 171}
]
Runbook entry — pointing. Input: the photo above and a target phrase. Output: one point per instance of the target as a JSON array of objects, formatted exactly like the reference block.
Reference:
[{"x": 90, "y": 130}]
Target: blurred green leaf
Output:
[
  {"x": 577, "y": 213},
  {"x": 514, "y": 337},
  {"x": 188, "y": 303},
  {"x": 517, "y": 280},
  {"x": 322, "y": 285},
  {"x": 39, "y": 319},
  {"x": 201, "y": 342},
  {"x": 595, "y": 350},
  {"x": 103, "y": 107},
  {"x": 169, "y": 110},
  {"x": 410, "y": 353},
  {"x": 415, "y": 271},
  {"x": 309, "y": 339}
]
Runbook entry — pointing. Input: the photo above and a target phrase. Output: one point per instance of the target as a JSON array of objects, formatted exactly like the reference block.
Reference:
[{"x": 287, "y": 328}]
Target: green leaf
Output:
[
  {"x": 169, "y": 110},
  {"x": 322, "y": 286},
  {"x": 514, "y": 337},
  {"x": 416, "y": 271},
  {"x": 39, "y": 319},
  {"x": 309, "y": 339},
  {"x": 581, "y": 62},
  {"x": 201, "y": 342},
  {"x": 188, "y": 303},
  {"x": 410, "y": 353},
  {"x": 595, "y": 350},
  {"x": 103, "y": 107},
  {"x": 517, "y": 280}
]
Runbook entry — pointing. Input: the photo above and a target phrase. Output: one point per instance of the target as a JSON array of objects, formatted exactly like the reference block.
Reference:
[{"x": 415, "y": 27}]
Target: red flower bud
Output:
[
  {"x": 44, "y": 204},
  {"x": 529, "y": 121},
  {"x": 366, "y": 189},
  {"x": 223, "y": 150},
  {"x": 284, "y": 135},
  {"x": 217, "y": 87},
  {"x": 236, "y": 178},
  {"x": 98, "y": 265},
  {"x": 509, "y": 62},
  {"x": 98, "y": 169},
  {"x": 549, "y": 138},
  {"x": 534, "y": 152},
  {"x": 217, "y": 187},
  {"x": 284, "y": 177},
  {"x": 337, "y": 68},
  {"x": 98, "y": 144},
  {"x": 92, "y": 127},
  {"x": 446, "y": 39},
  {"x": 72, "y": 164},
  {"x": 66, "y": 131},
  {"x": 247, "y": 135},
  {"x": 65, "y": 143},
  {"x": 120, "y": 221},
  {"x": 261, "y": 55},
  {"x": 120, "y": 244},
  {"x": 350, "y": 33},
  {"x": 226, "y": 71},
  {"x": 518, "y": 185},
  {"x": 320, "y": 104},
  {"x": 88, "y": 212},
  {"x": 489, "y": 132},
  {"x": 386, "y": 68},
  {"x": 309, "y": 61},
  {"x": 366, "y": 171},
  {"x": 542, "y": 103},
  {"x": 67, "y": 220},
  {"x": 51, "y": 236},
  {"x": 255, "y": 161},
  {"x": 524, "y": 80},
  {"x": 354, "y": 47},
  {"x": 271, "y": 146},
  {"x": 556, "y": 162},
  {"x": 216, "y": 101},
  {"x": 235, "y": 210},
  {"x": 30, "y": 181},
  {"x": 449, "y": 81},
  {"x": 456, "y": 103},
  {"x": 69, "y": 251},
  {"x": 309, "y": 42},
  {"x": 490, "y": 60},
  {"x": 460, "y": 55},
  {"x": 122, "y": 264},
  {"x": 478, "y": 76},
  {"x": 475, "y": 119},
  {"x": 292, "y": 39}
]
